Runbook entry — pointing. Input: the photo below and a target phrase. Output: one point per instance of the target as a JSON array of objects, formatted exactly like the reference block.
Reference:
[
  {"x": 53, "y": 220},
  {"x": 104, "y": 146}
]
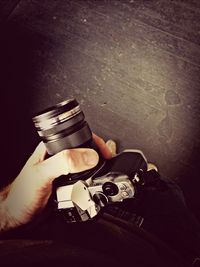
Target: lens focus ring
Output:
[
  {"x": 63, "y": 126},
  {"x": 60, "y": 118}
]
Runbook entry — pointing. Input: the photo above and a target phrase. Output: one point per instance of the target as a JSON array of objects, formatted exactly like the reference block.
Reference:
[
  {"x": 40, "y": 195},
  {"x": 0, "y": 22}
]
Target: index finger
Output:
[{"x": 102, "y": 146}]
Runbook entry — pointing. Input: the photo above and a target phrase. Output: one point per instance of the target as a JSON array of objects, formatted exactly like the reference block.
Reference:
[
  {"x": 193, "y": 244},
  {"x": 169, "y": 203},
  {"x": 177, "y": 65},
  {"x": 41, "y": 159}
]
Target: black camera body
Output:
[
  {"x": 80, "y": 197},
  {"x": 116, "y": 180}
]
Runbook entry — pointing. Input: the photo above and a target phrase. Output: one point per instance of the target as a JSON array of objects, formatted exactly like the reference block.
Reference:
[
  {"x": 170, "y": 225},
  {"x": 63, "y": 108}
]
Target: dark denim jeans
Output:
[{"x": 165, "y": 215}]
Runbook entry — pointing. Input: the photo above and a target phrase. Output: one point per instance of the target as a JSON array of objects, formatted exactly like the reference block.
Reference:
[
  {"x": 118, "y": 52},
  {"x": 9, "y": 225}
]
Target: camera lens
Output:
[{"x": 63, "y": 126}]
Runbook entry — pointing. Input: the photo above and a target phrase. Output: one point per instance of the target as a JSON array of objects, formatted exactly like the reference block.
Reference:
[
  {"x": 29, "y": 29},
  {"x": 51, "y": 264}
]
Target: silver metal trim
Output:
[{"x": 47, "y": 124}]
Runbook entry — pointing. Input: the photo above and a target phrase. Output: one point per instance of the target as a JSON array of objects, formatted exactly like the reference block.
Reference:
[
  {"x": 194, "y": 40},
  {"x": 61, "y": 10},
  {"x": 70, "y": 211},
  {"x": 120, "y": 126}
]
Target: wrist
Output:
[{"x": 7, "y": 221}]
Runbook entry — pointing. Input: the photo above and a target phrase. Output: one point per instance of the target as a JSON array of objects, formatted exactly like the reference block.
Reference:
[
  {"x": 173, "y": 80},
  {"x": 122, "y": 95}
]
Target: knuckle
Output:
[
  {"x": 69, "y": 159},
  {"x": 65, "y": 155}
]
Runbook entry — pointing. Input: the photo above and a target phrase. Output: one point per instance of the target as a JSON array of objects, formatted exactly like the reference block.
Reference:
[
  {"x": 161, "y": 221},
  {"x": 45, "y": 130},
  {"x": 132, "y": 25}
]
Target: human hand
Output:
[{"x": 30, "y": 191}]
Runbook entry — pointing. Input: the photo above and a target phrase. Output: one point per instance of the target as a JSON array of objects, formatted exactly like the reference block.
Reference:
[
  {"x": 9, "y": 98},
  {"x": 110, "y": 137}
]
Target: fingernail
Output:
[{"x": 90, "y": 157}]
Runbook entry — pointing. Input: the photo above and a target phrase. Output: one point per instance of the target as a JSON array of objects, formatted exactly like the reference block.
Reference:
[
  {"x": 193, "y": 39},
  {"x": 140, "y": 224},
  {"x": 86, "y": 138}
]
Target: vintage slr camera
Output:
[{"x": 81, "y": 196}]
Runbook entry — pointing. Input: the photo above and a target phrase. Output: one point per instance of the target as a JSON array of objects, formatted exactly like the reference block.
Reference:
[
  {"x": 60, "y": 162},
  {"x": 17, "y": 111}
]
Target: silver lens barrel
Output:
[
  {"x": 62, "y": 126},
  {"x": 60, "y": 118},
  {"x": 51, "y": 116}
]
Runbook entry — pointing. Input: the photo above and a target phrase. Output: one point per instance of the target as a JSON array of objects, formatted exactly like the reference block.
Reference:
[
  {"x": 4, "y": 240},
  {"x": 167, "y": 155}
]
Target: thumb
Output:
[{"x": 67, "y": 161}]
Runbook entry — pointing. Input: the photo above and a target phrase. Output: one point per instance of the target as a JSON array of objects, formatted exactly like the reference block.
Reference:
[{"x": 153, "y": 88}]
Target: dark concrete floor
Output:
[{"x": 133, "y": 66}]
